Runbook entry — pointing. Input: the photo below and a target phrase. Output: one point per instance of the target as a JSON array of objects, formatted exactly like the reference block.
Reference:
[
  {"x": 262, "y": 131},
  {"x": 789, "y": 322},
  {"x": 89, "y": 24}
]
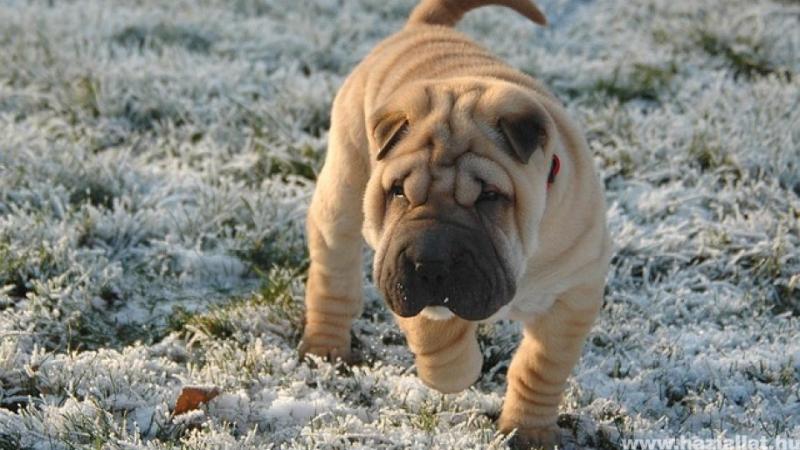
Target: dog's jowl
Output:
[{"x": 478, "y": 195}]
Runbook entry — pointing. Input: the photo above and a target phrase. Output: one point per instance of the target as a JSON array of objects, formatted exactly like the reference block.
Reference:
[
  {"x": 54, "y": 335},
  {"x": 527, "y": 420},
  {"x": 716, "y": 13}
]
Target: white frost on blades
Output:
[
  {"x": 699, "y": 306},
  {"x": 289, "y": 409}
]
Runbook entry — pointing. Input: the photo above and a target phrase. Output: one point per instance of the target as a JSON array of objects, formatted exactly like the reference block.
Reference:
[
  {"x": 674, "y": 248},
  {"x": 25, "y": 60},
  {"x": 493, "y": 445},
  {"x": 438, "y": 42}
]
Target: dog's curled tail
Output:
[{"x": 449, "y": 12}]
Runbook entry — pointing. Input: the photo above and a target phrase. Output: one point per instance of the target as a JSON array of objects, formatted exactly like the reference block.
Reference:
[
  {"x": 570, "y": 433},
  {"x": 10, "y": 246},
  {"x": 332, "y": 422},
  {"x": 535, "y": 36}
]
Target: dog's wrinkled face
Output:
[{"x": 456, "y": 195}]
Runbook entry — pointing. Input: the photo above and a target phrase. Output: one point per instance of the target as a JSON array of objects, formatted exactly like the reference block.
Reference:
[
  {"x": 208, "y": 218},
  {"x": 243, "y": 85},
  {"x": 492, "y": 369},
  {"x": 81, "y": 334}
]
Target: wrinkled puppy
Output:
[{"x": 479, "y": 197}]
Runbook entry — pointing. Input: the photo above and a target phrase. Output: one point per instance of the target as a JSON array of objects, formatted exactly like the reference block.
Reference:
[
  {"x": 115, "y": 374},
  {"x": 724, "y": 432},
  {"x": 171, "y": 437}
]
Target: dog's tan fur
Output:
[{"x": 553, "y": 238}]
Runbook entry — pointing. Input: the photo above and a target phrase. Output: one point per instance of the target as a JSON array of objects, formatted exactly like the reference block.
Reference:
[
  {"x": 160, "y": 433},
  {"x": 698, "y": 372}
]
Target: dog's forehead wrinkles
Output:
[
  {"x": 442, "y": 179},
  {"x": 445, "y": 128},
  {"x": 451, "y": 123},
  {"x": 438, "y": 123}
]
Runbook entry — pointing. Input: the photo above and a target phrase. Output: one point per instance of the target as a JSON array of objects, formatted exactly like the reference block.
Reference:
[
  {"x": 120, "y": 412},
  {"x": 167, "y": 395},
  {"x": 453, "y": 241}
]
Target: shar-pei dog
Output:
[{"x": 479, "y": 197}]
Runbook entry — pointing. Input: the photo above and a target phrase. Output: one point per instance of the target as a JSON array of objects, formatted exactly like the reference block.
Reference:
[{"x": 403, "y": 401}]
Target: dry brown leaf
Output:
[{"x": 192, "y": 397}]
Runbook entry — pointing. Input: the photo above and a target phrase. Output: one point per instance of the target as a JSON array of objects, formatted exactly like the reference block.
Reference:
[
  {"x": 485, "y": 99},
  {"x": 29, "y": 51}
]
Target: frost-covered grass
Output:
[{"x": 157, "y": 157}]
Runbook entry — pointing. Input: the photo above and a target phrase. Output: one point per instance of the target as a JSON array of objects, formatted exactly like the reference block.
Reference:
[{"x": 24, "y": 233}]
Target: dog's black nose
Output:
[
  {"x": 432, "y": 273},
  {"x": 429, "y": 260}
]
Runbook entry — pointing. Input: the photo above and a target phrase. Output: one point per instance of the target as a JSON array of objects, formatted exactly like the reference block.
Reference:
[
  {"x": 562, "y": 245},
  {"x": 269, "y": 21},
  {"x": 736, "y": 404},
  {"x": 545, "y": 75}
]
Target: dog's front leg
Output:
[
  {"x": 447, "y": 354},
  {"x": 333, "y": 292},
  {"x": 538, "y": 373}
]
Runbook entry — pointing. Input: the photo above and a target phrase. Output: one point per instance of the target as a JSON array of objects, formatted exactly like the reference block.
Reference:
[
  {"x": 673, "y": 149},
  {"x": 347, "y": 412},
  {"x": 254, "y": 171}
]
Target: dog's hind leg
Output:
[
  {"x": 538, "y": 373},
  {"x": 334, "y": 293}
]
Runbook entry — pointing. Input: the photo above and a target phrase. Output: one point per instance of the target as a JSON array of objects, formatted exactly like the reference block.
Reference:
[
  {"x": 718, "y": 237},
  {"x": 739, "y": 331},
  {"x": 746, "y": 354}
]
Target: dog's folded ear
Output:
[
  {"x": 524, "y": 132},
  {"x": 388, "y": 131}
]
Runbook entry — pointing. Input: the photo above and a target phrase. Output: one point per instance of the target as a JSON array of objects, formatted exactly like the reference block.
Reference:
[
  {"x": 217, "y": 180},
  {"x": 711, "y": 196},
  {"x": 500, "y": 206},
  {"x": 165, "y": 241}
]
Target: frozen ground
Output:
[{"x": 157, "y": 157}]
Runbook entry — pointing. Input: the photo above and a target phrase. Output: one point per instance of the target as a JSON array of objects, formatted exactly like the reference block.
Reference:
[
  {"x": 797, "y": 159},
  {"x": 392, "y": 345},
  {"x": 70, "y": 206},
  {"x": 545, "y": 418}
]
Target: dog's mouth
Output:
[
  {"x": 443, "y": 269},
  {"x": 437, "y": 313}
]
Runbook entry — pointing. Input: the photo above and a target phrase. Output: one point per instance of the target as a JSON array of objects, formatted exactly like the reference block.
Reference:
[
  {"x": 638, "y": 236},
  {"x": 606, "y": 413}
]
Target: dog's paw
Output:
[
  {"x": 544, "y": 438},
  {"x": 325, "y": 348}
]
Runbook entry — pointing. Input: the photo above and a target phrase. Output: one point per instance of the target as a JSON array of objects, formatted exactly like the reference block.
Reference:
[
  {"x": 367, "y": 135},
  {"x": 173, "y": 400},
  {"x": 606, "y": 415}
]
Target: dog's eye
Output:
[
  {"x": 488, "y": 196},
  {"x": 396, "y": 191},
  {"x": 488, "y": 193}
]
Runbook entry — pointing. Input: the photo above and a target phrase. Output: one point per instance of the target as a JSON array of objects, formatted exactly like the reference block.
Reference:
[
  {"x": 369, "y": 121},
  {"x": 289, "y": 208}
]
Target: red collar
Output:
[{"x": 555, "y": 166}]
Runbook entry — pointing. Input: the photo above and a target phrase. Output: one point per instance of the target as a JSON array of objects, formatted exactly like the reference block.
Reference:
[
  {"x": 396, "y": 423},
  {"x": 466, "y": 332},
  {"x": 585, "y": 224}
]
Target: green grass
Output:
[
  {"x": 763, "y": 373},
  {"x": 641, "y": 81},
  {"x": 305, "y": 165},
  {"x": 297, "y": 161},
  {"x": 159, "y": 36},
  {"x": 709, "y": 155},
  {"x": 19, "y": 269},
  {"x": 11, "y": 442},
  {"x": 85, "y": 95},
  {"x": 745, "y": 58},
  {"x": 275, "y": 299},
  {"x": 645, "y": 82},
  {"x": 93, "y": 192},
  {"x": 427, "y": 418},
  {"x": 266, "y": 252}
]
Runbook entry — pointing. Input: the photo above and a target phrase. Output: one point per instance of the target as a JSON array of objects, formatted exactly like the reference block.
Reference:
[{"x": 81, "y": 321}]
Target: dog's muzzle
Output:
[{"x": 443, "y": 264}]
